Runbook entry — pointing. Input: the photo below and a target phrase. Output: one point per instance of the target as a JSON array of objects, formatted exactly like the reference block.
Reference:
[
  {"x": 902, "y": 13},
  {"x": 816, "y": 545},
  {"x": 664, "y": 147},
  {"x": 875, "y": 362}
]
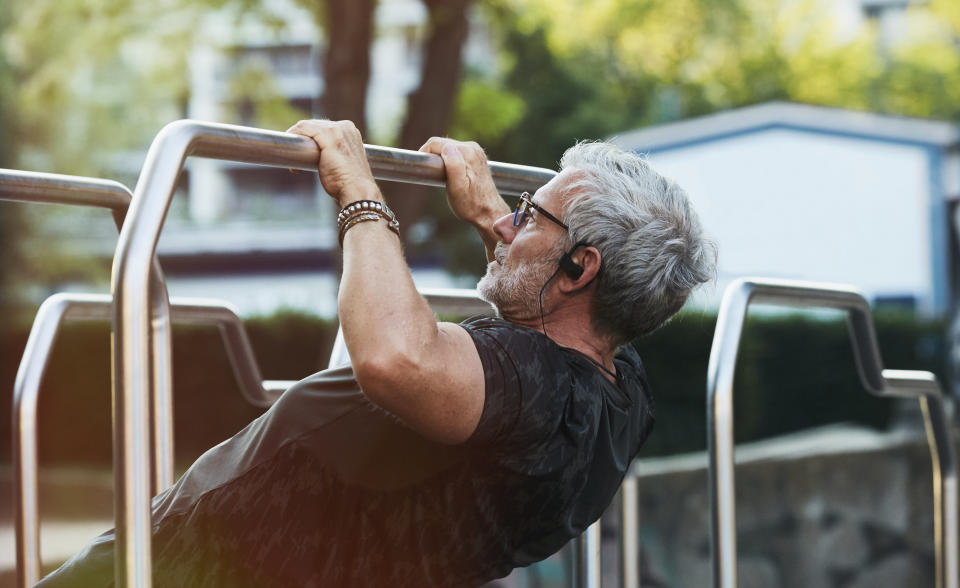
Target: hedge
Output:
[{"x": 793, "y": 373}]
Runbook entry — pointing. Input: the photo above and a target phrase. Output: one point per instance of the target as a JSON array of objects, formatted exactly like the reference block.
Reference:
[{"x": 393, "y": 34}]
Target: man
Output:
[{"x": 447, "y": 454}]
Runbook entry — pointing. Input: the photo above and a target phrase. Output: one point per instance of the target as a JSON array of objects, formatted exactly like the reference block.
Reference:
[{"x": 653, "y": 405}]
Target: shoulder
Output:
[
  {"x": 525, "y": 374},
  {"x": 526, "y": 350}
]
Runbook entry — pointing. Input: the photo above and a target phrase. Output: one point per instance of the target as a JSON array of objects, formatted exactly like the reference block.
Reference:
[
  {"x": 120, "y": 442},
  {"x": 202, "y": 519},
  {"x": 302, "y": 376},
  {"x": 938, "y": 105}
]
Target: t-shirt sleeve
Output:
[{"x": 517, "y": 382}]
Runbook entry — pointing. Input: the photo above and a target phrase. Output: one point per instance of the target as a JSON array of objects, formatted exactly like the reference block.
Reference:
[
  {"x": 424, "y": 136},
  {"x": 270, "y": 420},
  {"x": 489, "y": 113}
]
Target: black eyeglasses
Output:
[{"x": 522, "y": 211}]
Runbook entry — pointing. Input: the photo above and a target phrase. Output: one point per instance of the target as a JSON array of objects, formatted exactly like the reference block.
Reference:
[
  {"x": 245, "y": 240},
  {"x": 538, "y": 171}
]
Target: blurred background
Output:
[{"x": 818, "y": 140}]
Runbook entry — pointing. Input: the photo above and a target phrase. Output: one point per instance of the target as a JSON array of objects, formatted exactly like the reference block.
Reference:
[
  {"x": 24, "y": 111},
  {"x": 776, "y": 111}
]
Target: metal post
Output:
[
  {"x": 130, "y": 286},
  {"x": 23, "y": 186},
  {"x": 878, "y": 381},
  {"x": 587, "y": 568},
  {"x": 53, "y": 312},
  {"x": 629, "y": 532}
]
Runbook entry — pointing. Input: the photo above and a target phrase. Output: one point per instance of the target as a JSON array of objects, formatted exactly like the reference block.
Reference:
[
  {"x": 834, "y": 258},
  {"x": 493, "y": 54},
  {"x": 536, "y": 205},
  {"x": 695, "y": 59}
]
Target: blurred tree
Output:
[
  {"x": 430, "y": 106},
  {"x": 346, "y": 71}
]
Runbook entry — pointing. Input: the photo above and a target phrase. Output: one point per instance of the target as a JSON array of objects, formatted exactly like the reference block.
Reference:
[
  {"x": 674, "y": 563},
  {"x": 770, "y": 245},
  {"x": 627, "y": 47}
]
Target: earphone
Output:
[{"x": 573, "y": 269}]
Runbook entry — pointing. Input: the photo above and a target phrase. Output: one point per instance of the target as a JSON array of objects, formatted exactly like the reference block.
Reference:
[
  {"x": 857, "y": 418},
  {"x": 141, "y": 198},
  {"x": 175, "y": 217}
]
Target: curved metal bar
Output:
[
  {"x": 53, "y": 312},
  {"x": 34, "y": 187},
  {"x": 130, "y": 281},
  {"x": 878, "y": 381}
]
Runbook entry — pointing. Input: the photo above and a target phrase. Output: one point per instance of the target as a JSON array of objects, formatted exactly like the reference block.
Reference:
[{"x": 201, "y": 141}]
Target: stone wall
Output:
[{"x": 837, "y": 507}]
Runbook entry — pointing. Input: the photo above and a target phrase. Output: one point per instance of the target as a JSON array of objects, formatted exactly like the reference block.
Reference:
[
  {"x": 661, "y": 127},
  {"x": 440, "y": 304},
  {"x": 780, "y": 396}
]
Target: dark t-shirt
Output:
[{"x": 326, "y": 489}]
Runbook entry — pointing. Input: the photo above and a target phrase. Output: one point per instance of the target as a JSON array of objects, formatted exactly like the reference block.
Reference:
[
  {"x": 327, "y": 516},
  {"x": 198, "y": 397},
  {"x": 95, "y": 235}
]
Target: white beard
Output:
[{"x": 516, "y": 293}]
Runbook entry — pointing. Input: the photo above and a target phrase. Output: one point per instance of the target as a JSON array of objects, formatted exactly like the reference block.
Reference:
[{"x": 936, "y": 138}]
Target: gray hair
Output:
[{"x": 653, "y": 250}]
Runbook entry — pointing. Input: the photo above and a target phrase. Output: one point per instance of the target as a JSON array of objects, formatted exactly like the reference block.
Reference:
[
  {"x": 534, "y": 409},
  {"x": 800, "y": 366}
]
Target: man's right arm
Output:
[{"x": 471, "y": 193}]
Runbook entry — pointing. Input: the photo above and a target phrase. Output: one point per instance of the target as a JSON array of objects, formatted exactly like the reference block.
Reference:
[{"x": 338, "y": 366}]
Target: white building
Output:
[{"x": 804, "y": 192}]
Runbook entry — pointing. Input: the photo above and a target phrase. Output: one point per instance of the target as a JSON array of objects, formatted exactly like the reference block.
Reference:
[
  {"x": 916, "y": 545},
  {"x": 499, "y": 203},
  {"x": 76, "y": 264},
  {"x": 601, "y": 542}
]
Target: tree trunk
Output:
[
  {"x": 430, "y": 106},
  {"x": 346, "y": 69}
]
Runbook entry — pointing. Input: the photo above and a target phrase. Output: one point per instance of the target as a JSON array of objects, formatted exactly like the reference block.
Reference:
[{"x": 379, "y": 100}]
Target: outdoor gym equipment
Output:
[
  {"x": 22, "y": 186},
  {"x": 36, "y": 357},
  {"x": 131, "y": 288},
  {"x": 878, "y": 381}
]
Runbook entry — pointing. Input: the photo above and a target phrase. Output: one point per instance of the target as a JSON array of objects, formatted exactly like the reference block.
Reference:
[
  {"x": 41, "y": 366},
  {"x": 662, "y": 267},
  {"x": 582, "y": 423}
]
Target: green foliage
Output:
[
  {"x": 590, "y": 69},
  {"x": 485, "y": 111}
]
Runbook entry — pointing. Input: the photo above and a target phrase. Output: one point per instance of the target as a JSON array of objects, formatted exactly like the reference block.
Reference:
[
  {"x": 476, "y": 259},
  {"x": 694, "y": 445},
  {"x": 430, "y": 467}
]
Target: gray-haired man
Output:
[{"x": 447, "y": 454}]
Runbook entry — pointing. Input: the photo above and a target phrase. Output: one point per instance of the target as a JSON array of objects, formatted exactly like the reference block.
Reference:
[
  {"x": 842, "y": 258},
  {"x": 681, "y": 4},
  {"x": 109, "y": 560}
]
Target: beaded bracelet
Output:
[{"x": 365, "y": 210}]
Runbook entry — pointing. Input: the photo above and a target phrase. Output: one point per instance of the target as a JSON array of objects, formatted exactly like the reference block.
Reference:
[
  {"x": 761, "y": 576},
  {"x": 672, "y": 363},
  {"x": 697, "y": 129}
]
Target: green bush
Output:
[{"x": 793, "y": 373}]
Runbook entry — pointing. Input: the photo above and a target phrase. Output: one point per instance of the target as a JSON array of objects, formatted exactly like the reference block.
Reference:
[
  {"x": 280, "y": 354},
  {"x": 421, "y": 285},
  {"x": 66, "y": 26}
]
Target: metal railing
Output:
[
  {"x": 131, "y": 286},
  {"x": 629, "y": 531},
  {"x": 43, "y": 188},
  {"x": 878, "y": 381},
  {"x": 26, "y": 393}
]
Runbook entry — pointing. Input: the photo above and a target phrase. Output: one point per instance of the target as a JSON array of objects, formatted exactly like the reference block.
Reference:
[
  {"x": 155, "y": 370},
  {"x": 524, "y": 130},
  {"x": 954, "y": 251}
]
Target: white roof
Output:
[{"x": 761, "y": 117}]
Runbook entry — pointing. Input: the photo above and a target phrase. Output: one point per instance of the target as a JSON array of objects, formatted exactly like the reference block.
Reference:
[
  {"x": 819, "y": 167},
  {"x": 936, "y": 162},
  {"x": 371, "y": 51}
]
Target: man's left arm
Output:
[{"x": 426, "y": 373}]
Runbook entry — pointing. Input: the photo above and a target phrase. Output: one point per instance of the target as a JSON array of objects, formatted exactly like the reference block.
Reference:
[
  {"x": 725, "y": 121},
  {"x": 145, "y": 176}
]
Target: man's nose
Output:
[{"x": 504, "y": 228}]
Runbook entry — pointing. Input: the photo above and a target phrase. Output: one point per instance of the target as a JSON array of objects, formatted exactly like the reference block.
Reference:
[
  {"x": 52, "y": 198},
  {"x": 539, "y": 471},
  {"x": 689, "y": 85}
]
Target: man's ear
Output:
[{"x": 587, "y": 258}]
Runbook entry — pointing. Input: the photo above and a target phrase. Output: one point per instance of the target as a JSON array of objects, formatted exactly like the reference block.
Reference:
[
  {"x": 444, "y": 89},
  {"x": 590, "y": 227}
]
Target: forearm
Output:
[{"x": 382, "y": 315}]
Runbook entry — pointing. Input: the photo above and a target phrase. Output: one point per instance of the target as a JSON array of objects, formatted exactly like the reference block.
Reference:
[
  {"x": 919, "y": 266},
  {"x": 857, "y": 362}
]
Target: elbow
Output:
[{"x": 382, "y": 376}]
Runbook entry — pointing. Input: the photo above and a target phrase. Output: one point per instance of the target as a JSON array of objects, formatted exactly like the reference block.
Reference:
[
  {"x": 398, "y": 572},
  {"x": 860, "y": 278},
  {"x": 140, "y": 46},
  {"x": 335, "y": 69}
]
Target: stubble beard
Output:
[{"x": 516, "y": 292}]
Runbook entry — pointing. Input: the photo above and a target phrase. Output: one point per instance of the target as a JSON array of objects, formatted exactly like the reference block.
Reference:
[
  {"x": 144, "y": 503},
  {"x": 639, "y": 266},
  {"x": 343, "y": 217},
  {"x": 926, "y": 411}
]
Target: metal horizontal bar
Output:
[
  {"x": 277, "y": 149},
  {"x": 878, "y": 381},
  {"x": 24, "y": 186},
  {"x": 54, "y": 311}
]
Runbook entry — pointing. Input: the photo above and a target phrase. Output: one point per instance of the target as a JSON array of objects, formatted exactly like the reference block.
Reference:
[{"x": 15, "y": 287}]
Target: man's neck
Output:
[{"x": 570, "y": 326}]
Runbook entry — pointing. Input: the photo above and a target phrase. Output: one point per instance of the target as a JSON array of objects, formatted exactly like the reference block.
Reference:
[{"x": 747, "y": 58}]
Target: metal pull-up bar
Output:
[
  {"x": 26, "y": 393},
  {"x": 23, "y": 186},
  {"x": 130, "y": 287},
  {"x": 878, "y": 381}
]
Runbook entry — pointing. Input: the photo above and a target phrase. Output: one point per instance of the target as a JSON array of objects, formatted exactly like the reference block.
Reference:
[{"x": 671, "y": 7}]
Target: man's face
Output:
[{"x": 526, "y": 256}]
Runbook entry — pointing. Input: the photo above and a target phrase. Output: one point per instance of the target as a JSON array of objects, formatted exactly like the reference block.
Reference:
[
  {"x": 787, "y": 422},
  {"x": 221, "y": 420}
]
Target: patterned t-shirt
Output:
[{"x": 326, "y": 489}]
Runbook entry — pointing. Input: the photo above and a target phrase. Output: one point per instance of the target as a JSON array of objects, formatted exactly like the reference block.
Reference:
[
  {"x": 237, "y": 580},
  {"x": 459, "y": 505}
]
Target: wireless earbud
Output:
[{"x": 573, "y": 269}]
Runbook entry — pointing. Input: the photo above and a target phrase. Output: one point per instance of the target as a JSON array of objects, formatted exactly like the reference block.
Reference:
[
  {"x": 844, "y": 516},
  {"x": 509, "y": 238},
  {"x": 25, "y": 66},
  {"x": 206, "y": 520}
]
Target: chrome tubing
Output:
[
  {"x": 26, "y": 393},
  {"x": 44, "y": 188},
  {"x": 24, "y": 186},
  {"x": 130, "y": 287},
  {"x": 587, "y": 568},
  {"x": 878, "y": 381},
  {"x": 629, "y": 531}
]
